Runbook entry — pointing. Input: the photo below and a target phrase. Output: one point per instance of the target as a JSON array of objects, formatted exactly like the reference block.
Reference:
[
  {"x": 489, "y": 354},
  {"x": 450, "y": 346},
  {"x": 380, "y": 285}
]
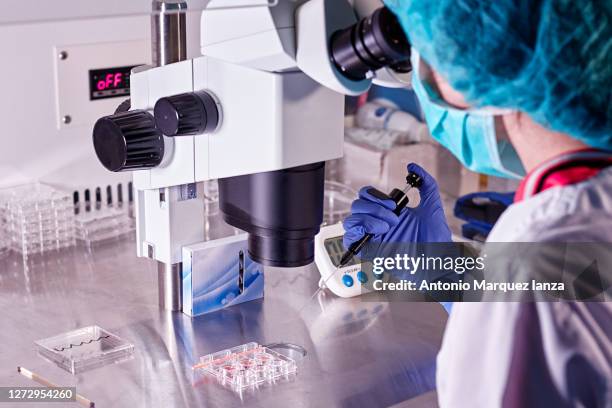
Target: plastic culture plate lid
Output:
[
  {"x": 84, "y": 349},
  {"x": 247, "y": 366}
]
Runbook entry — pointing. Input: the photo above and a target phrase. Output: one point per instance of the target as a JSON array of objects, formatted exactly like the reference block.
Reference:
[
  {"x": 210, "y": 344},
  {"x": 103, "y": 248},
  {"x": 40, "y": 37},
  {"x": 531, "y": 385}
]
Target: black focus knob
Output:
[
  {"x": 186, "y": 114},
  {"x": 128, "y": 141}
]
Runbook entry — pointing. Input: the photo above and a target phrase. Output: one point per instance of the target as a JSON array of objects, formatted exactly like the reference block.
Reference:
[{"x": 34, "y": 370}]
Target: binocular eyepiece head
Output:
[{"x": 374, "y": 42}]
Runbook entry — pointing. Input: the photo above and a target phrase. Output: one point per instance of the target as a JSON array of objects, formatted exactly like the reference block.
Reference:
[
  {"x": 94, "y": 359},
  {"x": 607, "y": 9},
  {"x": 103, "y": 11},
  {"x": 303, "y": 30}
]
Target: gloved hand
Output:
[{"x": 424, "y": 223}]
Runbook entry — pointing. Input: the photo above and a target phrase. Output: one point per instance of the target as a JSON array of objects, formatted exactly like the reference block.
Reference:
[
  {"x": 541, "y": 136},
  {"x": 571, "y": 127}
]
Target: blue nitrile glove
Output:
[
  {"x": 374, "y": 215},
  {"x": 423, "y": 223}
]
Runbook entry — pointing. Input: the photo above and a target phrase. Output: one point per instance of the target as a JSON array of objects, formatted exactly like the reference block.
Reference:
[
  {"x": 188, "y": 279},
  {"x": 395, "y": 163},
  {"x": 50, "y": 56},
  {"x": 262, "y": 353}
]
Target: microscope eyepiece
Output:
[{"x": 372, "y": 43}]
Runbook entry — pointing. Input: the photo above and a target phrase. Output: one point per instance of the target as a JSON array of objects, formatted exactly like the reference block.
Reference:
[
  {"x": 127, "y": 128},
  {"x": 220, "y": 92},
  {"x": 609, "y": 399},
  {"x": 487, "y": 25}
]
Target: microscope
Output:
[{"x": 261, "y": 111}]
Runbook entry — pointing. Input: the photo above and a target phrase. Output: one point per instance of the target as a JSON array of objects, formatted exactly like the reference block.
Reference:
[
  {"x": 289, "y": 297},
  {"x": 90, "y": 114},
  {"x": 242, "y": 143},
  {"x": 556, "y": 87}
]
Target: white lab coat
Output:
[{"x": 536, "y": 354}]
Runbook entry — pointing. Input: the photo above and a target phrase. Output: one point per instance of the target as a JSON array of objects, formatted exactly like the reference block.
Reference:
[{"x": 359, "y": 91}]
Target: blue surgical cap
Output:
[{"x": 551, "y": 59}]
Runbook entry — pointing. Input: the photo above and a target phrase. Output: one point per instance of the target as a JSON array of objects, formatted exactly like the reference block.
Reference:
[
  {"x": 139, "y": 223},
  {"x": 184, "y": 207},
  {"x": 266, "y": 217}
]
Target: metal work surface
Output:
[{"x": 359, "y": 353}]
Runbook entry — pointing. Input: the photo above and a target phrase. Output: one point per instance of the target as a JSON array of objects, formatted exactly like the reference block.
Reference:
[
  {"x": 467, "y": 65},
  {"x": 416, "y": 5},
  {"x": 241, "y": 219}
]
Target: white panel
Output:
[
  {"x": 258, "y": 37},
  {"x": 169, "y": 225},
  {"x": 219, "y": 25},
  {"x": 141, "y": 224},
  {"x": 187, "y": 226},
  {"x": 156, "y": 222},
  {"x": 264, "y": 51},
  {"x": 270, "y": 121},
  {"x": 248, "y": 140},
  {"x": 73, "y": 94},
  {"x": 312, "y": 121},
  {"x": 141, "y": 179},
  {"x": 169, "y": 80}
]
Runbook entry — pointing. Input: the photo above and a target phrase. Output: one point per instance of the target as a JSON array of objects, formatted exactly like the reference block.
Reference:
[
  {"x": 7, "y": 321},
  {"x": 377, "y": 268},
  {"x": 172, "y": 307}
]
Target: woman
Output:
[{"x": 516, "y": 89}]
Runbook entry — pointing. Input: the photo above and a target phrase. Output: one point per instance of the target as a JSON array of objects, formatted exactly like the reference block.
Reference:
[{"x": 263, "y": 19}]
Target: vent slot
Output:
[{"x": 82, "y": 200}]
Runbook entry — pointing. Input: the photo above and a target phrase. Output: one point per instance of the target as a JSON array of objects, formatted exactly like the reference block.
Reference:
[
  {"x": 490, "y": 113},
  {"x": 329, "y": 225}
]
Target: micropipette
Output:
[{"x": 399, "y": 197}]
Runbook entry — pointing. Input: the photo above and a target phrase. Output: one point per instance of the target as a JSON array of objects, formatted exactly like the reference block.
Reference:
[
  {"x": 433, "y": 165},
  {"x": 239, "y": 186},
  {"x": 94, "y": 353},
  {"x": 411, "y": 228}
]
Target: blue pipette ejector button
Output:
[
  {"x": 347, "y": 280},
  {"x": 362, "y": 277}
]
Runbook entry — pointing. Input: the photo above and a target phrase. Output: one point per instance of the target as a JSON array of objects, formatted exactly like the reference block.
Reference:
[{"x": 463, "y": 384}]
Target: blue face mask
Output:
[{"x": 470, "y": 135}]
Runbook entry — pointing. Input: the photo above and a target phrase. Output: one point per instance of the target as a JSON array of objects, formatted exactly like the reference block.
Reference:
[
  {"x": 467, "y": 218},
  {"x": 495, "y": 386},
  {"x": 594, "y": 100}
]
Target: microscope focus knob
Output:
[
  {"x": 186, "y": 114},
  {"x": 128, "y": 141}
]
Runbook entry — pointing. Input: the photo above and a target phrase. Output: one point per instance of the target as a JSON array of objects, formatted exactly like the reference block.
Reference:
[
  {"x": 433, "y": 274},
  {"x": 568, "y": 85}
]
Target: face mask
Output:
[{"x": 469, "y": 134}]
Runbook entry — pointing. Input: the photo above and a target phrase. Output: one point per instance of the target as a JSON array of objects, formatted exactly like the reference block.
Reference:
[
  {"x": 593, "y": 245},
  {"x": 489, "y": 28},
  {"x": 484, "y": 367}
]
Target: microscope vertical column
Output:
[
  {"x": 168, "y": 32},
  {"x": 169, "y": 45},
  {"x": 170, "y": 286}
]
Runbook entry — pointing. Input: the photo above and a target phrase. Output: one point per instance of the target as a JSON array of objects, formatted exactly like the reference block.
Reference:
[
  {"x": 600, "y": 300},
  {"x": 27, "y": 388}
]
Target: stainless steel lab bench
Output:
[{"x": 360, "y": 353}]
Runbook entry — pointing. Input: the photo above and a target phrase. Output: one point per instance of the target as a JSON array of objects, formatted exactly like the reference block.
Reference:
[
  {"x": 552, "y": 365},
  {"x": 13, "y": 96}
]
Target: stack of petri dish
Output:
[
  {"x": 103, "y": 225},
  {"x": 38, "y": 218}
]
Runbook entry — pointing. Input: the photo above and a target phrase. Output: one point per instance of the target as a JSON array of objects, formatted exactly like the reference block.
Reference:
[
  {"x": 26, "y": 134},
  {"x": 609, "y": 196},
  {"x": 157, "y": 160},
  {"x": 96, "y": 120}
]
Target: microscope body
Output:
[
  {"x": 269, "y": 121},
  {"x": 261, "y": 111},
  {"x": 272, "y": 117}
]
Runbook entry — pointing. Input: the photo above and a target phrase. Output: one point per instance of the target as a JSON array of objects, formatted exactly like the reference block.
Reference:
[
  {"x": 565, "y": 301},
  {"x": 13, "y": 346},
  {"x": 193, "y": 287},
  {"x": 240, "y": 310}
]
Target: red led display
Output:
[{"x": 109, "y": 82}]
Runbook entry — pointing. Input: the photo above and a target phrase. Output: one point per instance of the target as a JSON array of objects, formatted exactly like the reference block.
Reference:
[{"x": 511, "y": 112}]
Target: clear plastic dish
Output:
[
  {"x": 38, "y": 218},
  {"x": 247, "y": 366},
  {"x": 337, "y": 202},
  {"x": 85, "y": 349},
  {"x": 103, "y": 225}
]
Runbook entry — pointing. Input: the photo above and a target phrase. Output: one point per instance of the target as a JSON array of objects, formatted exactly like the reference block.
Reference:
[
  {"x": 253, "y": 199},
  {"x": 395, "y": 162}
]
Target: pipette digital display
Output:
[{"x": 335, "y": 250}]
